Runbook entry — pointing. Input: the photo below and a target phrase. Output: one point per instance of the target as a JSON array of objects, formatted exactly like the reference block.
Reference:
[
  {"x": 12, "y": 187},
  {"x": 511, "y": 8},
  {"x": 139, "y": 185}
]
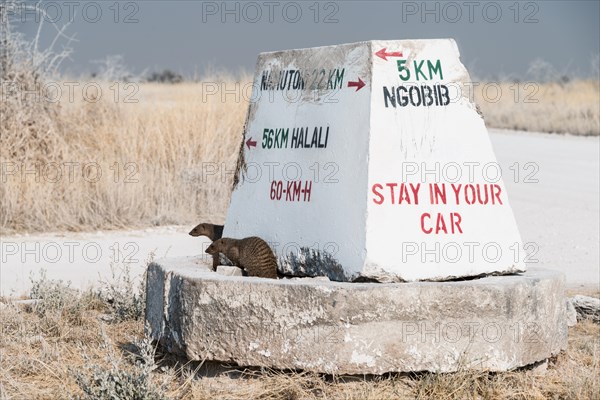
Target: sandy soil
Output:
[{"x": 559, "y": 214}]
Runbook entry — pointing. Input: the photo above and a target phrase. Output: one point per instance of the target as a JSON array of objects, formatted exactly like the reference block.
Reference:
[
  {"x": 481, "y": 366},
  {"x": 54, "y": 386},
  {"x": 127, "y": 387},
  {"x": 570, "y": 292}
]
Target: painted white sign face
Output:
[{"x": 369, "y": 161}]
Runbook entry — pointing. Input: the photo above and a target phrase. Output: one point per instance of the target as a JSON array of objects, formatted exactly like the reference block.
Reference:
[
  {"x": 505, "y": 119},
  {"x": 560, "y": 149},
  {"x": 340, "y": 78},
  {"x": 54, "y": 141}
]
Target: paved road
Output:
[{"x": 561, "y": 211}]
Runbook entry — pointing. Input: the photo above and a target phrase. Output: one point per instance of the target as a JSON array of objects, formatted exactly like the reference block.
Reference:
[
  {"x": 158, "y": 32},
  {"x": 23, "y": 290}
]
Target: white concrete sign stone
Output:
[{"x": 369, "y": 161}]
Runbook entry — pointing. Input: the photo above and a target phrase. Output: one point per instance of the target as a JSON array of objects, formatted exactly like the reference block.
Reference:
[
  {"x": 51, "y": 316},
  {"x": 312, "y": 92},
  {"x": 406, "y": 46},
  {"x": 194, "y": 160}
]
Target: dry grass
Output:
[
  {"x": 165, "y": 148},
  {"x": 175, "y": 150},
  {"x": 572, "y": 107},
  {"x": 63, "y": 347}
]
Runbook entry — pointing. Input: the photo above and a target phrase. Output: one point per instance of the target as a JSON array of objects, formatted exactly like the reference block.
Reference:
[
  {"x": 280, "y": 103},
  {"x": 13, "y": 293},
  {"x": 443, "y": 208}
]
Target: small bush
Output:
[
  {"x": 121, "y": 296},
  {"x": 166, "y": 76},
  {"x": 55, "y": 299},
  {"x": 119, "y": 382}
]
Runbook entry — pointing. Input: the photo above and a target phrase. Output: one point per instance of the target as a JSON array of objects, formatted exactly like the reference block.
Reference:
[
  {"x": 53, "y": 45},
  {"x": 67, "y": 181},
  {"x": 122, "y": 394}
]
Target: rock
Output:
[
  {"x": 587, "y": 307},
  {"x": 229, "y": 271},
  {"x": 571, "y": 314},
  {"x": 539, "y": 368},
  {"x": 494, "y": 323}
]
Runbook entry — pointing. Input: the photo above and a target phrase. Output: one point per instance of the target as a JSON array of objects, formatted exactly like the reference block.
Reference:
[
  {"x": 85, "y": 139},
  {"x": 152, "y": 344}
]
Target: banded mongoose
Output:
[
  {"x": 252, "y": 254},
  {"x": 213, "y": 232}
]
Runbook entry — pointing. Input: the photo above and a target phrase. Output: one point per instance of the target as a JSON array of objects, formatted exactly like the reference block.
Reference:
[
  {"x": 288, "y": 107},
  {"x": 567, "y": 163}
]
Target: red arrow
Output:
[
  {"x": 359, "y": 84},
  {"x": 381, "y": 53},
  {"x": 250, "y": 142}
]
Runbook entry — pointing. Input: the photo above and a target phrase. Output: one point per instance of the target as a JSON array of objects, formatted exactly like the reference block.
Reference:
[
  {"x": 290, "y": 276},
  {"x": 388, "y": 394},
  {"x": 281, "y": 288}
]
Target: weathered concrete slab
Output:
[{"x": 494, "y": 323}]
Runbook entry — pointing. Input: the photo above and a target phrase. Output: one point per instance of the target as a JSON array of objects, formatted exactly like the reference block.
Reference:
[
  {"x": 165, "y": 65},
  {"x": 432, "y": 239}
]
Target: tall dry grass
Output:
[
  {"x": 166, "y": 159},
  {"x": 553, "y": 107}
]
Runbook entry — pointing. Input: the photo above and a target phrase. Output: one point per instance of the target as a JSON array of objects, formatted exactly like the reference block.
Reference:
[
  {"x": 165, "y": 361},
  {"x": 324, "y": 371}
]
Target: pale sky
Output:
[{"x": 496, "y": 38}]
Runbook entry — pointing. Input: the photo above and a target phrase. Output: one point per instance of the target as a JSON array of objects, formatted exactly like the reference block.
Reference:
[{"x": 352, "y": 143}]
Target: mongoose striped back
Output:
[{"x": 251, "y": 253}]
